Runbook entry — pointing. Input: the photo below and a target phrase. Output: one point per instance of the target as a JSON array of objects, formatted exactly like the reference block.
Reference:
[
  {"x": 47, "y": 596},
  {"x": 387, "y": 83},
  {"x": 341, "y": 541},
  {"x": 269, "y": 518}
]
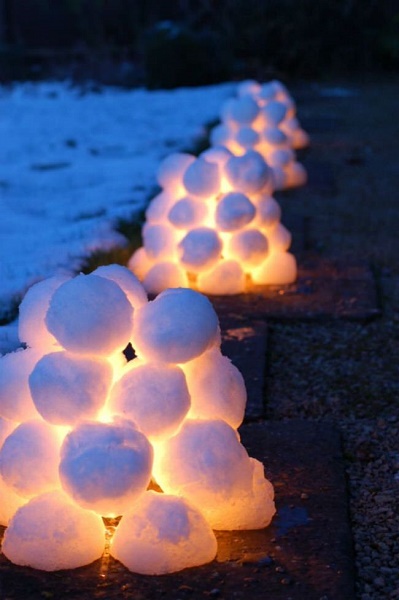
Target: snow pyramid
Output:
[
  {"x": 263, "y": 118},
  {"x": 214, "y": 227},
  {"x": 86, "y": 434}
]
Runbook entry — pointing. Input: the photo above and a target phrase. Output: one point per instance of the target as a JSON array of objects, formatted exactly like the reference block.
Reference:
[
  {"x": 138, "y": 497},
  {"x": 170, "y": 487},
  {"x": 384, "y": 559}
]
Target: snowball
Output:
[
  {"x": 154, "y": 396},
  {"x": 274, "y": 112},
  {"x": 15, "y": 398},
  {"x": 249, "y": 86},
  {"x": 159, "y": 240},
  {"x": 217, "y": 388},
  {"x": 105, "y": 466},
  {"x": 51, "y": 533},
  {"x": 176, "y": 536},
  {"x": 247, "y": 137},
  {"x": 90, "y": 315},
  {"x": 177, "y": 326},
  {"x": 159, "y": 207},
  {"x": 172, "y": 168},
  {"x": 10, "y": 501},
  {"x": 279, "y": 238},
  {"x": 279, "y": 268},
  {"x": 128, "y": 282},
  {"x": 248, "y": 173},
  {"x": 202, "y": 178},
  {"x": 226, "y": 278},
  {"x": 268, "y": 212},
  {"x": 164, "y": 275},
  {"x": 139, "y": 263},
  {"x": 268, "y": 91},
  {"x": 218, "y": 155},
  {"x": 200, "y": 249},
  {"x": 67, "y": 388},
  {"x": 234, "y": 211},
  {"x": 32, "y": 329},
  {"x": 220, "y": 135},
  {"x": 274, "y": 136},
  {"x": 296, "y": 174},
  {"x": 29, "y": 458},
  {"x": 280, "y": 157},
  {"x": 187, "y": 213},
  {"x": 206, "y": 464},
  {"x": 249, "y": 247},
  {"x": 6, "y": 427},
  {"x": 243, "y": 110}
]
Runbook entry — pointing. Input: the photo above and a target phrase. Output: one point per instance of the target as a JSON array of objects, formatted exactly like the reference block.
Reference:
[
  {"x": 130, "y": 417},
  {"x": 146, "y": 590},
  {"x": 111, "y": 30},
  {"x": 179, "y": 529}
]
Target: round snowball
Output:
[
  {"x": 202, "y": 178},
  {"x": 249, "y": 247},
  {"x": 157, "y": 211},
  {"x": 226, "y": 278},
  {"x": 279, "y": 268},
  {"x": 164, "y": 275},
  {"x": 244, "y": 110},
  {"x": 274, "y": 136},
  {"x": 51, "y": 533},
  {"x": 29, "y": 458},
  {"x": 217, "y": 154},
  {"x": 177, "y": 326},
  {"x": 204, "y": 463},
  {"x": 248, "y": 173},
  {"x": 15, "y": 399},
  {"x": 105, "y": 466},
  {"x": 268, "y": 212},
  {"x": 158, "y": 240},
  {"x": 200, "y": 249},
  {"x": 140, "y": 263},
  {"x": 234, "y": 211},
  {"x": 296, "y": 174},
  {"x": 280, "y": 157},
  {"x": 128, "y": 282},
  {"x": 279, "y": 238},
  {"x": 154, "y": 396},
  {"x": 10, "y": 501},
  {"x": 274, "y": 112},
  {"x": 67, "y": 388},
  {"x": 32, "y": 329},
  {"x": 90, "y": 315},
  {"x": 217, "y": 388},
  {"x": 221, "y": 135},
  {"x": 249, "y": 86},
  {"x": 176, "y": 536},
  {"x": 171, "y": 170},
  {"x": 247, "y": 137},
  {"x": 187, "y": 213}
]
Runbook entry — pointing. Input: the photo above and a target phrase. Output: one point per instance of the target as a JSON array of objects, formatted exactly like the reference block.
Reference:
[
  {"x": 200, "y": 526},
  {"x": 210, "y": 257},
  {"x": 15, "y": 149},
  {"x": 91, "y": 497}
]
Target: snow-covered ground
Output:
[{"x": 73, "y": 163}]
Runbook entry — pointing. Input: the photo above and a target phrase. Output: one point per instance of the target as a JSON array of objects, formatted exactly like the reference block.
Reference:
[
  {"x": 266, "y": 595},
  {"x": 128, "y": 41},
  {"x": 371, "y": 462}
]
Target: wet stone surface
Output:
[{"x": 305, "y": 553}]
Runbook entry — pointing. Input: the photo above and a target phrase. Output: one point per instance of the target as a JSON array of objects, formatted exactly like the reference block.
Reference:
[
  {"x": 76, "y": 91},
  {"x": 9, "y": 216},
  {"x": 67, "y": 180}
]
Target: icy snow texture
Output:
[
  {"x": 217, "y": 388},
  {"x": 83, "y": 319},
  {"x": 15, "y": 399},
  {"x": 52, "y": 533},
  {"x": 29, "y": 458},
  {"x": 206, "y": 464},
  {"x": 105, "y": 466},
  {"x": 176, "y": 327},
  {"x": 32, "y": 329},
  {"x": 152, "y": 395},
  {"x": 67, "y": 388},
  {"x": 126, "y": 281},
  {"x": 163, "y": 534}
]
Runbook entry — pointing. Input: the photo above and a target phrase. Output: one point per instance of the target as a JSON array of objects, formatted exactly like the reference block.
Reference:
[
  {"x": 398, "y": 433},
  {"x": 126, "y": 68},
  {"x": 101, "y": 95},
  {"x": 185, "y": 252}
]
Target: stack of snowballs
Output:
[
  {"x": 86, "y": 434},
  {"x": 263, "y": 118},
  {"x": 214, "y": 227}
]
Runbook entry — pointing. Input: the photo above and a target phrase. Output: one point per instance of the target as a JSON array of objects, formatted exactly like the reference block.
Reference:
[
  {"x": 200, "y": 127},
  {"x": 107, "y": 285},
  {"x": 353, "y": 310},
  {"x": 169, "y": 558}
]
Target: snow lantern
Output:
[
  {"x": 214, "y": 227},
  {"x": 151, "y": 441},
  {"x": 263, "y": 118}
]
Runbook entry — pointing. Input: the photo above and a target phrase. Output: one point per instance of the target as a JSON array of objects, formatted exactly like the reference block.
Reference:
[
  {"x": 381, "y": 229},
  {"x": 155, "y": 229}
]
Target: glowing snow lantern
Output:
[
  {"x": 91, "y": 433},
  {"x": 263, "y": 118},
  {"x": 221, "y": 225}
]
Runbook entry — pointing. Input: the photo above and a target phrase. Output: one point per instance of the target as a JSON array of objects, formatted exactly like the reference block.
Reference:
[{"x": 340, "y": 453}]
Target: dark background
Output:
[{"x": 163, "y": 44}]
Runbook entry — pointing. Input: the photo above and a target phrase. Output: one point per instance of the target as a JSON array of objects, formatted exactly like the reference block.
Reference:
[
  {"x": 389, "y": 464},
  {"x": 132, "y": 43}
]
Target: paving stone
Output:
[
  {"x": 325, "y": 288},
  {"x": 246, "y": 346},
  {"x": 305, "y": 553}
]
